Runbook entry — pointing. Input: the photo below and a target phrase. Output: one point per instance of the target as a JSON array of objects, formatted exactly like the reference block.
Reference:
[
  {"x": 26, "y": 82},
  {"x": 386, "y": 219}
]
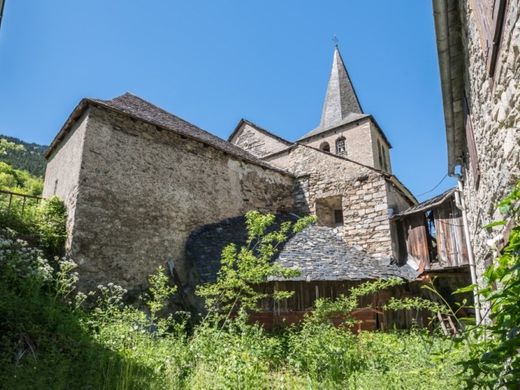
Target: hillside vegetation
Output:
[{"x": 22, "y": 155}]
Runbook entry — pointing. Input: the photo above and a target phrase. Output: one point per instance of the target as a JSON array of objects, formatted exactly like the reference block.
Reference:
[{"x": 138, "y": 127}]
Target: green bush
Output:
[
  {"x": 50, "y": 224},
  {"x": 42, "y": 223}
]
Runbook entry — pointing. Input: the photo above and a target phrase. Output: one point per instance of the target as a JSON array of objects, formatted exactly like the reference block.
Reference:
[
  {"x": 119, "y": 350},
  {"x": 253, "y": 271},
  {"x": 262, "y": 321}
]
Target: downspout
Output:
[{"x": 459, "y": 199}]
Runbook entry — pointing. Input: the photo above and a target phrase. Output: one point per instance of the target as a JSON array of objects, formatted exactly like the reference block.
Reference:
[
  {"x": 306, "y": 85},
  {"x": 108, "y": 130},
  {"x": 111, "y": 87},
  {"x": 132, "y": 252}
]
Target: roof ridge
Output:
[
  {"x": 159, "y": 117},
  {"x": 129, "y": 94}
]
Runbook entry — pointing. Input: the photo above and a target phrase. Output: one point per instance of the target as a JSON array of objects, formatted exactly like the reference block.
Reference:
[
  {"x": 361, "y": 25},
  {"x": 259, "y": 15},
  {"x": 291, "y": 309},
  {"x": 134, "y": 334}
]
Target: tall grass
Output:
[{"x": 53, "y": 339}]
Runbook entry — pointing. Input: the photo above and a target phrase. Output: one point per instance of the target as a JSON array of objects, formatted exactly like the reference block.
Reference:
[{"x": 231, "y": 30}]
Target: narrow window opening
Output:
[
  {"x": 379, "y": 154},
  {"x": 385, "y": 165},
  {"x": 325, "y": 147},
  {"x": 338, "y": 217},
  {"x": 341, "y": 148}
]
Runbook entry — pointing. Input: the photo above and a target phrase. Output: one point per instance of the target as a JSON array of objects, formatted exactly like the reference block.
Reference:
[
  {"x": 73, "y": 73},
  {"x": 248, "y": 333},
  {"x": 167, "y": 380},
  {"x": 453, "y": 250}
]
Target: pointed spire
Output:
[{"x": 341, "y": 98}]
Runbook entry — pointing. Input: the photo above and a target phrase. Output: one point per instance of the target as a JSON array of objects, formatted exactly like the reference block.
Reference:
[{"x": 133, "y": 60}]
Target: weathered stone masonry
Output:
[
  {"x": 256, "y": 140},
  {"x": 366, "y": 195},
  {"x": 495, "y": 117},
  {"x": 143, "y": 190}
]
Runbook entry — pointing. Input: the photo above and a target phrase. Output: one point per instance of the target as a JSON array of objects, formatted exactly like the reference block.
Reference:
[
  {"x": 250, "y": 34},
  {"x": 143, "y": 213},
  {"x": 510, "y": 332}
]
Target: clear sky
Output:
[{"x": 212, "y": 62}]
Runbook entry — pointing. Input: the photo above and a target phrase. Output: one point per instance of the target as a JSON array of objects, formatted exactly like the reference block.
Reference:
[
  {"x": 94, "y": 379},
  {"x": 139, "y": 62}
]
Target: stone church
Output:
[{"x": 140, "y": 182}]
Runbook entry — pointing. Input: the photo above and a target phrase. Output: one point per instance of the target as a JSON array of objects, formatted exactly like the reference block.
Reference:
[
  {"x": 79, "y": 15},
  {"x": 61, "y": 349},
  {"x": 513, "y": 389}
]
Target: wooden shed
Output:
[{"x": 431, "y": 235}]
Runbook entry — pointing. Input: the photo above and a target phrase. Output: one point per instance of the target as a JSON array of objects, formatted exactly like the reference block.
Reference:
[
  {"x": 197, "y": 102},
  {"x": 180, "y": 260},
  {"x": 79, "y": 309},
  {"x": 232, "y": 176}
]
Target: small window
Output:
[
  {"x": 341, "y": 147},
  {"x": 325, "y": 147},
  {"x": 329, "y": 211},
  {"x": 338, "y": 217},
  {"x": 55, "y": 187}
]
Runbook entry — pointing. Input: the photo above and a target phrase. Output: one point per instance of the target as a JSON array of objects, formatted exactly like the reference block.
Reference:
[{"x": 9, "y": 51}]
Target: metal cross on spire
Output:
[{"x": 335, "y": 40}]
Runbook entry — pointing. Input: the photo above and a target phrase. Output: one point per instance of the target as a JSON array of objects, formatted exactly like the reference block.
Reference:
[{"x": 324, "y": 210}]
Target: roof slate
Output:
[
  {"x": 138, "y": 108},
  {"x": 340, "y": 98},
  {"x": 318, "y": 252}
]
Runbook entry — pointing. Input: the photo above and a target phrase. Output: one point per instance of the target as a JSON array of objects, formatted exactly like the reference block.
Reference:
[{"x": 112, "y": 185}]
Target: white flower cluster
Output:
[
  {"x": 111, "y": 294},
  {"x": 21, "y": 259}
]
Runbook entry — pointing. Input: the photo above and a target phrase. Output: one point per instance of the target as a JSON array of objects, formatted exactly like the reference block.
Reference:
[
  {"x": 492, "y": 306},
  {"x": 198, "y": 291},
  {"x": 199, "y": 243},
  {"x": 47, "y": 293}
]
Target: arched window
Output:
[
  {"x": 341, "y": 147},
  {"x": 325, "y": 147}
]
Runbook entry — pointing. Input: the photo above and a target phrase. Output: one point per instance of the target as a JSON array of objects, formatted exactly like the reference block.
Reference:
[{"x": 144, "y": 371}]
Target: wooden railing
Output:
[{"x": 25, "y": 199}]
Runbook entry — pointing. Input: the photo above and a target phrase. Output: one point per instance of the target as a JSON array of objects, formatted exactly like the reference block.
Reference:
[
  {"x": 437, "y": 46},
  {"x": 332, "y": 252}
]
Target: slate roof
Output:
[
  {"x": 317, "y": 252},
  {"x": 138, "y": 108},
  {"x": 341, "y": 98},
  {"x": 320, "y": 254},
  {"x": 428, "y": 204},
  {"x": 341, "y": 105}
]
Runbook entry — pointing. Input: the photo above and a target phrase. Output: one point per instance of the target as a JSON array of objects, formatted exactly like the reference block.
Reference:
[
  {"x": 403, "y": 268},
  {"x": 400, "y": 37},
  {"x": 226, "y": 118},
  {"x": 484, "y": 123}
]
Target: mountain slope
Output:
[{"x": 23, "y": 155}]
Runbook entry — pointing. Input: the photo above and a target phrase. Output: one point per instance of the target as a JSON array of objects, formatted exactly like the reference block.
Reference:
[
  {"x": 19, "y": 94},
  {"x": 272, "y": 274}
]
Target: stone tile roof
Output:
[
  {"x": 320, "y": 254},
  {"x": 138, "y": 108},
  {"x": 317, "y": 252},
  {"x": 341, "y": 98}
]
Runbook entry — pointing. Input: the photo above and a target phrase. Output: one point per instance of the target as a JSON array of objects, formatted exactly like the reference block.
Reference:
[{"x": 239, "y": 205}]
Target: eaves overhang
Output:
[{"x": 451, "y": 65}]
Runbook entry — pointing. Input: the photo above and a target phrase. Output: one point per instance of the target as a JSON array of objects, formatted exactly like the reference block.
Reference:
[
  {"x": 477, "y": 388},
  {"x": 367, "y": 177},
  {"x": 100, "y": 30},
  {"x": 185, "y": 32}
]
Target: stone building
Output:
[
  {"x": 478, "y": 44},
  {"x": 139, "y": 183}
]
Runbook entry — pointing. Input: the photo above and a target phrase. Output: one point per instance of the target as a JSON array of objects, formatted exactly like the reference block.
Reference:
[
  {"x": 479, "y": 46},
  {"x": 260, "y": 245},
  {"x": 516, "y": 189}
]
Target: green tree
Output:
[{"x": 244, "y": 268}]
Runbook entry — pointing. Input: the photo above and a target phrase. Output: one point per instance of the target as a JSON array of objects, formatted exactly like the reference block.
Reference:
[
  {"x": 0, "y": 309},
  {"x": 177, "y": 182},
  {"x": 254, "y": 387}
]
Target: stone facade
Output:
[
  {"x": 365, "y": 196},
  {"x": 143, "y": 190},
  {"x": 257, "y": 141},
  {"x": 489, "y": 153},
  {"x": 63, "y": 169},
  {"x": 495, "y": 117},
  {"x": 363, "y": 143}
]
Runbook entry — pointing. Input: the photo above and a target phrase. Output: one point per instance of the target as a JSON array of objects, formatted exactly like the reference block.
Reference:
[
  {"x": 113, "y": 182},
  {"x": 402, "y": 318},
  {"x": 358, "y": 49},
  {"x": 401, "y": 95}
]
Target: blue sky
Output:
[{"x": 213, "y": 62}]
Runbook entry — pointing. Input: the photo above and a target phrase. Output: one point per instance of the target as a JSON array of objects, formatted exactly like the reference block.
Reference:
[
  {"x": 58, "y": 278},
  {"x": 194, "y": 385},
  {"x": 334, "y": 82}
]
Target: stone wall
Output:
[
  {"x": 360, "y": 141},
  {"x": 397, "y": 202},
  {"x": 363, "y": 191},
  {"x": 379, "y": 142},
  {"x": 495, "y": 116},
  {"x": 62, "y": 174},
  {"x": 143, "y": 190},
  {"x": 257, "y": 142}
]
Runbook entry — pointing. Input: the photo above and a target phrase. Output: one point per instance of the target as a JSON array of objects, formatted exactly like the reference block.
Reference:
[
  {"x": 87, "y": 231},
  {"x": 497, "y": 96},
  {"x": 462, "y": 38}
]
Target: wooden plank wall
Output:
[
  {"x": 451, "y": 242},
  {"x": 447, "y": 249},
  {"x": 416, "y": 234},
  {"x": 370, "y": 316}
]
